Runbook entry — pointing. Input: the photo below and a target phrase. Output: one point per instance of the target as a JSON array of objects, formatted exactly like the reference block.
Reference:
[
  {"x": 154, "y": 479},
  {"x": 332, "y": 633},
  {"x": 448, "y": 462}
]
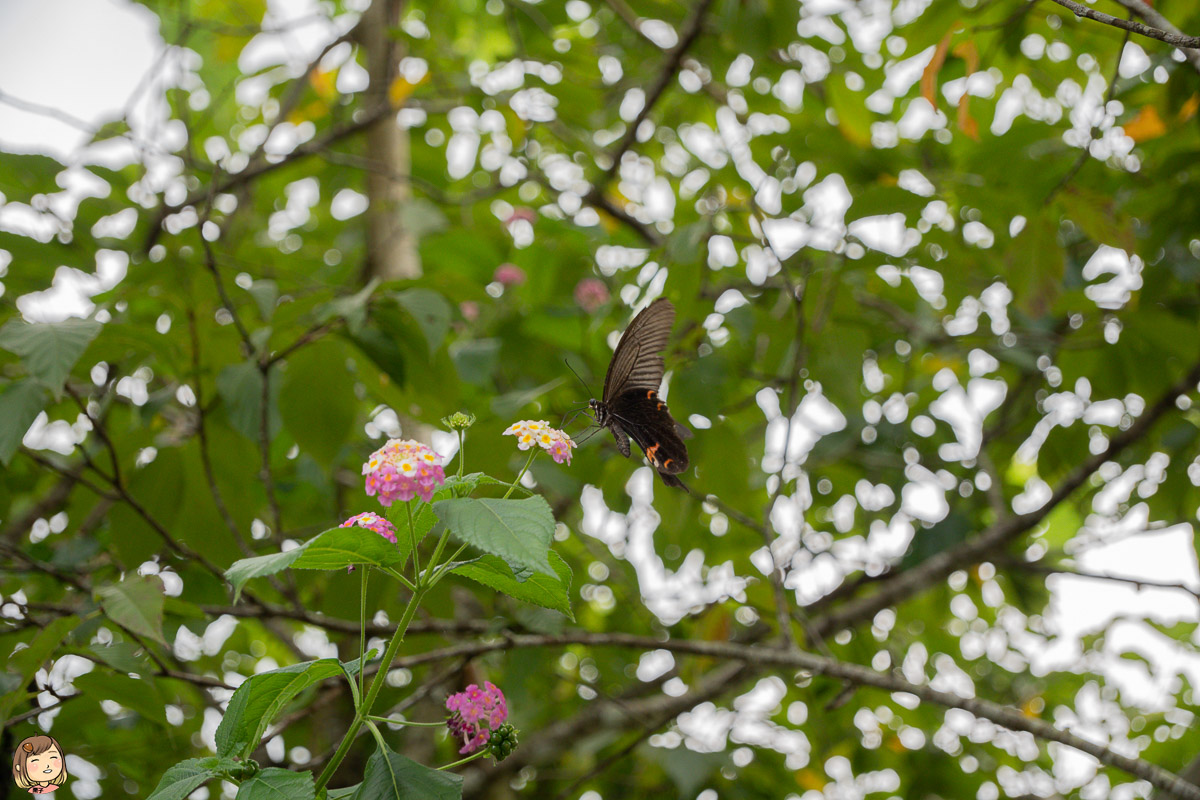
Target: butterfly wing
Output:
[
  {"x": 646, "y": 419},
  {"x": 638, "y": 362}
]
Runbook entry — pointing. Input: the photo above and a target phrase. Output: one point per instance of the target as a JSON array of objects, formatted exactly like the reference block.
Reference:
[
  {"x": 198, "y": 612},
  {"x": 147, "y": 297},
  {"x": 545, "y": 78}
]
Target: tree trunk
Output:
[{"x": 391, "y": 249}]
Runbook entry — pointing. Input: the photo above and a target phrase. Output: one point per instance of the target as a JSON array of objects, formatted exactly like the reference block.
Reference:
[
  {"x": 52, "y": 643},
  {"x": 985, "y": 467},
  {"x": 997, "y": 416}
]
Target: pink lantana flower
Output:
[
  {"x": 530, "y": 432},
  {"x": 509, "y": 275},
  {"x": 403, "y": 469},
  {"x": 590, "y": 294},
  {"x": 372, "y": 522},
  {"x": 475, "y": 713}
]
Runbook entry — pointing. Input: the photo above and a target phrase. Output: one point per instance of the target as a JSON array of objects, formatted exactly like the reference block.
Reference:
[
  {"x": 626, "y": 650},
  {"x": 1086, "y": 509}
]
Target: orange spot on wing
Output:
[
  {"x": 667, "y": 463},
  {"x": 650, "y": 395},
  {"x": 660, "y": 406},
  {"x": 650, "y": 451}
]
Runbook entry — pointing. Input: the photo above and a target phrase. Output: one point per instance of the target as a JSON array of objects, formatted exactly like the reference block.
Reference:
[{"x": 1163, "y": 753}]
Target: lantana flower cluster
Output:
[
  {"x": 530, "y": 432},
  {"x": 403, "y": 469},
  {"x": 475, "y": 714},
  {"x": 372, "y": 522}
]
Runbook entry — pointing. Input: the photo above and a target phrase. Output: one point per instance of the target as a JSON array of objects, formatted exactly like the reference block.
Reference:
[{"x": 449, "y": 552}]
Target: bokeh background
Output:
[{"x": 935, "y": 266}]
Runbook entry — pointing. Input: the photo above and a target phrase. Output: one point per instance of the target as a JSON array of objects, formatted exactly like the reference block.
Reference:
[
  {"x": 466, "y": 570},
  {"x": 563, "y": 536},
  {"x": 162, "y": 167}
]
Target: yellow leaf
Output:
[
  {"x": 966, "y": 123},
  {"x": 1146, "y": 125},
  {"x": 324, "y": 83},
  {"x": 1189, "y": 108},
  {"x": 810, "y": 780},
  {"x": 310, "y": 111},
  {"x": 937, "y": 363},
  {"x": 401, "y": 90}
]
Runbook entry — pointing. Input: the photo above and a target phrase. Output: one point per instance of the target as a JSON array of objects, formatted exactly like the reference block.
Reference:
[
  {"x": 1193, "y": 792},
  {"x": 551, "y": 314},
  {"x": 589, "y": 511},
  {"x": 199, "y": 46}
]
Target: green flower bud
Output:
[{"x": 459, "y": 421}]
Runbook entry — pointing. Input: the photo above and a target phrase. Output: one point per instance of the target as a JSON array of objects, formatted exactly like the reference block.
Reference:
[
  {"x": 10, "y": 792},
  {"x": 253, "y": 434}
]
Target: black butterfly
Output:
[{"x": 631, "y": 407}]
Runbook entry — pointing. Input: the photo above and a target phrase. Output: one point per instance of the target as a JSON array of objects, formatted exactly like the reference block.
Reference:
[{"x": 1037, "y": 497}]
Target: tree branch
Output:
[
  {"x": 902, "y": 585},
  {"x": 670, "y": 66},
  {"x": 1172, "y": 37},
  {"x": 1004, "y": 716}
]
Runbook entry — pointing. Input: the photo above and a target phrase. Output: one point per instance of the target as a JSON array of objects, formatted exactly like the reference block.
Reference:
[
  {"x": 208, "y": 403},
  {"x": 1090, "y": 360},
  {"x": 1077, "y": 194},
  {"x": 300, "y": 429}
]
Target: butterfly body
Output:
[{"x": 630, "y": 406}]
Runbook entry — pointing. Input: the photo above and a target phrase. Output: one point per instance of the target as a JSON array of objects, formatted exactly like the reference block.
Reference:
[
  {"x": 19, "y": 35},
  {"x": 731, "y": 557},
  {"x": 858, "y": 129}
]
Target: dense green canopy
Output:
[{"x": 935, "y": 270}]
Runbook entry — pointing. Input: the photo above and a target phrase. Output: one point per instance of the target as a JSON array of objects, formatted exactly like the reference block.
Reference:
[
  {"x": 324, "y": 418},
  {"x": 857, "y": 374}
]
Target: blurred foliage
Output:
[{"x": 113, "y": 548}]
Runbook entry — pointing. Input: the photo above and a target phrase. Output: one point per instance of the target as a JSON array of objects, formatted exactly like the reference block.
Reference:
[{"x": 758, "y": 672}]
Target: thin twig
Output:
[
  {"x": 1086, "y": 155},
  {"x": 691, "y": 30},
  {"x": 1176, "y": 39}
]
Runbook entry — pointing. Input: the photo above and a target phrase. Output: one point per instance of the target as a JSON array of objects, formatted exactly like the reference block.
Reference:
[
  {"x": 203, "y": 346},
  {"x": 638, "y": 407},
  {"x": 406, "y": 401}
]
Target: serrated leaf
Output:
[
  {"x": 20, "y": 405},
  {"x": 391, "y": 776},
  {"x": 336, "y": 548},
  {"x": 541, "y": 590},
  {"x": 274, "y": 783},
  {"x": 261, "y": 697},
  {"x": 49, "y": 349},
  {"x": 518, "y": 531},
  {"x": 185, "y": 777},
  {"x": 135, "y": 604}
]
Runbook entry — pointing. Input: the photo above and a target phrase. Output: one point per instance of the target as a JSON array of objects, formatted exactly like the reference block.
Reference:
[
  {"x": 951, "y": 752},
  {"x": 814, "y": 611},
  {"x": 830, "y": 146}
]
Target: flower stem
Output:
[
  {"x": 362, "y": 630},
  {"x": 377, "y": 682},
  {"x": 462, "y": 761},
  {"x": 412, "y": 537},
  {"x": 462, "y": 450},
  {"x": 444, "y": 567},
  {"x": 532, "y": 452},
  {"x": 395, "y": 573},
  {"x": 434, "y": 566},
  {"x": 391, "y": 721}
]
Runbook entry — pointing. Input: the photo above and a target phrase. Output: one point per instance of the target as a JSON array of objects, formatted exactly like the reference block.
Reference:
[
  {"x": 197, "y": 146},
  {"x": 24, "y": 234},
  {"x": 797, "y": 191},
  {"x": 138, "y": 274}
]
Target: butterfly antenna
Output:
[
  {"x": 581, "y": 380},
  {"x": 589, "y": 433}
]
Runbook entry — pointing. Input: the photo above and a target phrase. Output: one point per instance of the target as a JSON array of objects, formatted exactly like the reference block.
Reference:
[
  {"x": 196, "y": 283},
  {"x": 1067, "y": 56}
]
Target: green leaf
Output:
[
  {"x": 336, "y": 548},
  {"x": 510, "y": 403},
  {"x": 265, "y": 294},
  {"x": 135, "y": 604},
  {"x": 185, "y": 777},
  {"x": 541, "y": 590},
  {"x": 49, "y": 349},
  {"x": 476, "y": 359},
  {"x": 20, "y": 405},
  {"x": 137, "y": 695},
  {"x": 320, "y": 421},
  {"x": 940, "y": 536},
  {"x": 274, "y": 783},
  {"x": 854, "y": 120},
  {"x": 391, "y": 776},
  {"x": 425, "y": 521},
  {"x": 124, "y": 657},
  {"x": 261, "y": 697},
  {"x": 240, "y": 387},
  {"x": 382, "y": 350},
  {"x": 25, "y": 662},
  {"x": 685, "y": 244},
  {"x": 421, "y": 217},
  {"x": 519, "y": 531},
  {"x": 22, "y": 175},
  {"x": 430, "y": 310}
]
